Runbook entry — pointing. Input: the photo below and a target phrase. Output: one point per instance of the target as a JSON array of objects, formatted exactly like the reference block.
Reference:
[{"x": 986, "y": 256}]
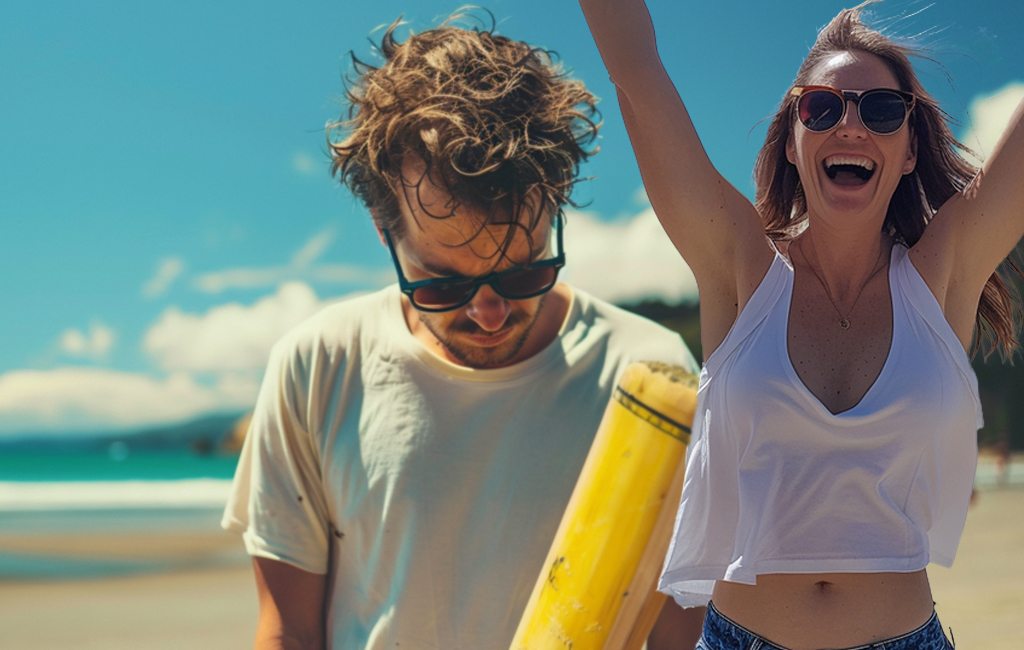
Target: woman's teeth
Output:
[
  {"x": 840, "y": 159},
  {"x": 849, "y": 170}
]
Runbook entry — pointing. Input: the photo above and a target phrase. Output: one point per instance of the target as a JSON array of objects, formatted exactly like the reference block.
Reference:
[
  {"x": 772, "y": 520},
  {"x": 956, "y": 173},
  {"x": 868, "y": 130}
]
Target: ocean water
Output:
[
  {"x": 63, "y": 502},
  {"x": 58, "y": 510},
  {"x": 987, "y": 476},
  {"x": 116, "y": 463}
]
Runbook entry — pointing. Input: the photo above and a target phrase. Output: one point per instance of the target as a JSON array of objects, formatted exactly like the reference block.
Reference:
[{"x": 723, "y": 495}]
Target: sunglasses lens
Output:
[
  {"x": 883, "y": 111},
  {"x": 820, "y": 110},
  {"x": 527, "y": 282},
  {"x": 442, "y": 294}
]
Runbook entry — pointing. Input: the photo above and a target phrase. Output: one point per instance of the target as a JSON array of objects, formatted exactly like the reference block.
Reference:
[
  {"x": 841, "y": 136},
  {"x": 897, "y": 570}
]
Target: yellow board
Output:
[{"x": 626, "y": 487}]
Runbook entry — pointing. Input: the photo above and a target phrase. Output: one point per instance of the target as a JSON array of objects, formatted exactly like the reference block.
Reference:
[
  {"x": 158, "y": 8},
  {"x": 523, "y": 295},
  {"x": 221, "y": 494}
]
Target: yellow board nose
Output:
[{"x": 595, "y": 591}]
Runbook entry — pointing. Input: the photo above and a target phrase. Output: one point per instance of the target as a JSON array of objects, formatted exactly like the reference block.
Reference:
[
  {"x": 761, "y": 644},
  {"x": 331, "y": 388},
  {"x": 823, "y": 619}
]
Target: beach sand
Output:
[
  {"x": 198, "y": 609},
  {"x": 184, "y": 548},
  {"x": 981, "y": 598}
]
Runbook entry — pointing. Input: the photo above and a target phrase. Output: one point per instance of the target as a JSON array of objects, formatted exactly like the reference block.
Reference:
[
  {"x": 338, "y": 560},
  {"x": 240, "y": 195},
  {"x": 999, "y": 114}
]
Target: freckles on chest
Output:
[
  {"x": 838, "y": 364},
  {"x": 839, "y": 373}
]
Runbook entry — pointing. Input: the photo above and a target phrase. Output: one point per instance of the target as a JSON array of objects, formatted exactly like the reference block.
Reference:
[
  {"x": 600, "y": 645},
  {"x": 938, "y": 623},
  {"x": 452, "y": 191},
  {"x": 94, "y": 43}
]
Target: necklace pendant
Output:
[{"x": 844, "y": 323}]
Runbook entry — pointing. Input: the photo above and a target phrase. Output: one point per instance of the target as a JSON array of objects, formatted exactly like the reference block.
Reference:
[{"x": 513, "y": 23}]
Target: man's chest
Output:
[{"x": 403, "y": 442}]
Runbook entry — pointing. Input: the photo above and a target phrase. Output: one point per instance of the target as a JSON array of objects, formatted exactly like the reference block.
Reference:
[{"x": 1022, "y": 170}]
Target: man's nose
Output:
[{"x": 488, "y": 310}]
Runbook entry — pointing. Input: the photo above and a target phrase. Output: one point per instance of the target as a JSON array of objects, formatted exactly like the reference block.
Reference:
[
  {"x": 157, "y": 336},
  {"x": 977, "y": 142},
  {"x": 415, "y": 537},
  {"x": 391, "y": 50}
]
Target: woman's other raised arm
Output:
[
  {"x": 715, "y": 228},
  {"x": 974, "y": 231}
]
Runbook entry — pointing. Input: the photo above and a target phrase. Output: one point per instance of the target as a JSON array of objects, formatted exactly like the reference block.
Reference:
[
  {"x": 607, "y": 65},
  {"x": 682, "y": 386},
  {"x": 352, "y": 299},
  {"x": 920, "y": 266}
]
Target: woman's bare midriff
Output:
[{"x": 827, "y": 610}]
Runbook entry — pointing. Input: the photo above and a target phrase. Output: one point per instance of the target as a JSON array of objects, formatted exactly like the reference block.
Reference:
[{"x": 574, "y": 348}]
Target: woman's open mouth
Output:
[{"x": 849, "y": 170}]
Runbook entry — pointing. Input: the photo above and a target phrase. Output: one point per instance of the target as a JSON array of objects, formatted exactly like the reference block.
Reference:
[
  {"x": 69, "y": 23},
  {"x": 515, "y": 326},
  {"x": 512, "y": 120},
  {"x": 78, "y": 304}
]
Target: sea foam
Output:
[{"x": 106, "y": 495}]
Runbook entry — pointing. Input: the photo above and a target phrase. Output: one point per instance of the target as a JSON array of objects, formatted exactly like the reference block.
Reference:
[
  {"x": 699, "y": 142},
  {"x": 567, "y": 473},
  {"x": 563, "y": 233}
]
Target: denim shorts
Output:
[{"x": 720, "y": 633}]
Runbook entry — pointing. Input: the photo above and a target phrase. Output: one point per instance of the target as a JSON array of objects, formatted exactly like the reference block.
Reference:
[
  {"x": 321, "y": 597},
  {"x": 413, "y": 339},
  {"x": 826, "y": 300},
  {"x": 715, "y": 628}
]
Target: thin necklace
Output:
[{"x": 844, "y": 320}]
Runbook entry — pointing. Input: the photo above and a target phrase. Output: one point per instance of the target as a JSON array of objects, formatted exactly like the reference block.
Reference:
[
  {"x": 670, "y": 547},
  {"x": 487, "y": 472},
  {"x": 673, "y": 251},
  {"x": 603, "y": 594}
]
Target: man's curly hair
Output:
[{"x": 498, "y": 123}]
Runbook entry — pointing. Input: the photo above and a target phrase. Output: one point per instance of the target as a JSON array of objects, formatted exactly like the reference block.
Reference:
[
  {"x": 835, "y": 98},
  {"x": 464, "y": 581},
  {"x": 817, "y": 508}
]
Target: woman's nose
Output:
[{"x": 850, "y": 125}]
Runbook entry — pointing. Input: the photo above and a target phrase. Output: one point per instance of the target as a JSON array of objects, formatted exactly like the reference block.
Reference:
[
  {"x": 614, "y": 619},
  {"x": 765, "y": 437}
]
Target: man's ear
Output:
[{"x": 380, "y": 233}]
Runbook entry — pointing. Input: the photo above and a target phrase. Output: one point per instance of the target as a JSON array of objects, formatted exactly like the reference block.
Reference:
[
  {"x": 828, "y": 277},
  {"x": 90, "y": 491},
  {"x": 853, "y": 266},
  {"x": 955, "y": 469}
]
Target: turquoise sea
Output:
[
  {"x": 116, "y": 463},
  {"x": 70, "y": 514},
  {"x": 156, "y": 510}
]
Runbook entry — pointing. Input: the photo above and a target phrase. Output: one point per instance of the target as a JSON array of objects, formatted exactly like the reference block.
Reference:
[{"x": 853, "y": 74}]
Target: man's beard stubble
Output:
[{"x": 475, "y": 356}]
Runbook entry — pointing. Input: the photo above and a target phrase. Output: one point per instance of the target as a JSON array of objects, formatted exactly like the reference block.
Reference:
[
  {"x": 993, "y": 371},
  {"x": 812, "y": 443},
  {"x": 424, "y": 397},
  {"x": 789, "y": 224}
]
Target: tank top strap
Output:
[
  {"x": 911, "y": 289},
  {"x": 775, "y": 283}
]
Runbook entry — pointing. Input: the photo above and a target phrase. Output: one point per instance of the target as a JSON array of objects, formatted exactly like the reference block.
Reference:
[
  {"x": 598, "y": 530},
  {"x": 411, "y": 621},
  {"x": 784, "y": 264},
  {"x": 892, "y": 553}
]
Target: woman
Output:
[{"x": 834, "y": 446}]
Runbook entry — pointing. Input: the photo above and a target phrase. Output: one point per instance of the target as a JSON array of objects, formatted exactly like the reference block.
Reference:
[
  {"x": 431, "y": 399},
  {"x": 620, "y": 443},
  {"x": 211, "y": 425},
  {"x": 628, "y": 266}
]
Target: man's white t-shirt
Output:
[{"x": 429, "y": 492}]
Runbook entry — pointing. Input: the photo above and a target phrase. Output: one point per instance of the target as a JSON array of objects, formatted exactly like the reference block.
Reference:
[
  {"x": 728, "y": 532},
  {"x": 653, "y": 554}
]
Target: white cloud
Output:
[
  {"x": 625, "y": 260},
  {"x": 166, "y": 273},
  {"x": 213, "y": 362},
  {"x": 989, "y": 116},
  {"x": 215, "y": 238},
  {"x": 305, "y": 165},
  {"x": 348, "y": 274},
  {"x": 312, "y": 249},
  {"x": 640, "y": 196},
  {"x": 244, "y": 278},
  {"x": 96, "y": 344},
  {"x": 90, "y": 398},
  {"x": 231, "y": 337},
  {"x": 303, "y": 267}
]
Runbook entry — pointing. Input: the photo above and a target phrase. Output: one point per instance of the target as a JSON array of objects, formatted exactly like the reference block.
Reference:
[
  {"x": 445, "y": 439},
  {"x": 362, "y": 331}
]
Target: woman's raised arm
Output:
[
  {"x": 714, "y": 227},
  {"x": 973, "y": 232}
]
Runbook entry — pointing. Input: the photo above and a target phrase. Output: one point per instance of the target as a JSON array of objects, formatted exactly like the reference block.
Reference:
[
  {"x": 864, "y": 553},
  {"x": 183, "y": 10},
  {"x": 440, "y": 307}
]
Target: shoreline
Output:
[{"x": 208, "y": 599}]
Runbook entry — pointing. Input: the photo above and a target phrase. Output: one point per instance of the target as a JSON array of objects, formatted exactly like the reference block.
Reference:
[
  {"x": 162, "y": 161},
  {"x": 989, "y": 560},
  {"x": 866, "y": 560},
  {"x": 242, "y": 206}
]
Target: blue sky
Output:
[{"x": 166, "y": 208}]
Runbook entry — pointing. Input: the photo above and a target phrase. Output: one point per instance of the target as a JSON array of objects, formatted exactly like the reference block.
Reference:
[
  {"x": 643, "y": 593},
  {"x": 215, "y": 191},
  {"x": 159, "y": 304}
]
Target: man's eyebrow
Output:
[
  {"x": 438, "y": 270},
  {"x": 443, "y": 271}
]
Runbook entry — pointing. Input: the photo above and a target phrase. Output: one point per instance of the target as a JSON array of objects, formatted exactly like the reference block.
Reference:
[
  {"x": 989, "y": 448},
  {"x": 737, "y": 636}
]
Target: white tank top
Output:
[{"x": 776, "y": 483}]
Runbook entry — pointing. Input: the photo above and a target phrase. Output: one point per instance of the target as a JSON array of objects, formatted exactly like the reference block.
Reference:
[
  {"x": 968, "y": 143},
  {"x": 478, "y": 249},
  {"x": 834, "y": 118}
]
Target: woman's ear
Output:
[
  {"x": 791, "y": 148},
  {"x": 910, "y": 164}
]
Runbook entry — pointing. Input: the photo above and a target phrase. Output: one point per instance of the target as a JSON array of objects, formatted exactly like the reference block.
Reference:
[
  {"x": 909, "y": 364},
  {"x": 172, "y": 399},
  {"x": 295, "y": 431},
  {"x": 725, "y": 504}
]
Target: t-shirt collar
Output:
[{"x": 399, "y": 331}]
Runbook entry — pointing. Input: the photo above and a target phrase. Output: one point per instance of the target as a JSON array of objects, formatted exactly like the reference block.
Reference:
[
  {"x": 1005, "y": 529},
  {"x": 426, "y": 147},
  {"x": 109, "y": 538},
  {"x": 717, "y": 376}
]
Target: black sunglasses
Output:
[
  {"x": 448, "y": 293},
  {"x": 882, "y": 111}
]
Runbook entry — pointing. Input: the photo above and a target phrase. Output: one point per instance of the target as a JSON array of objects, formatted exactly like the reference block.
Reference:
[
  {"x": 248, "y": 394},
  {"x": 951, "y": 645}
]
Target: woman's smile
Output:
[{"x": 849, "y": 169}]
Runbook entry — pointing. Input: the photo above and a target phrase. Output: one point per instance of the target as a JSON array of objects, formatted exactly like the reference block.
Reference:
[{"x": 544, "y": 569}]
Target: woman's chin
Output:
[{"x": 849, "y": 197}]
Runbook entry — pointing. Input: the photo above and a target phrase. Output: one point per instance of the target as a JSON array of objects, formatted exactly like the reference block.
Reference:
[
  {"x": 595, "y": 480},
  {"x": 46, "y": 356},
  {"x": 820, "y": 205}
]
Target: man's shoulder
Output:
[
  {"x": 632, "y": 335},
  {"x": 618, "y": 320},
  {"x": 341, "y": 323}
]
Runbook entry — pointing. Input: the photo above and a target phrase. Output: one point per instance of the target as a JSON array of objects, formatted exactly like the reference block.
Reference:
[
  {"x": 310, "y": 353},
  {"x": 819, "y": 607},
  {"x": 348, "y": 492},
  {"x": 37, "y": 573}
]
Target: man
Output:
[{"x": 412, "y": 451}]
